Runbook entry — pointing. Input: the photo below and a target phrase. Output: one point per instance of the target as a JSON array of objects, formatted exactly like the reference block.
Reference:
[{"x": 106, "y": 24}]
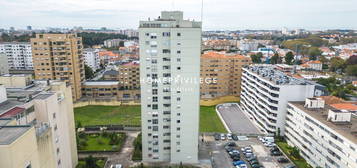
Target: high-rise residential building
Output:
[
  {"x": 266, "y": 91},
  {"x": 37, "y": 125},
  {"x": 326, "y": 135},
  {"x": 4, "y": 64},
  {"x": 224, "y": 71},
  {"x": 113, "y": 43},
  {"x": 91, "y": 58},
  {"x": 19, "y": 54},
  {"x": 59, "y": 57},
  {"x": 170, "y": 49}
]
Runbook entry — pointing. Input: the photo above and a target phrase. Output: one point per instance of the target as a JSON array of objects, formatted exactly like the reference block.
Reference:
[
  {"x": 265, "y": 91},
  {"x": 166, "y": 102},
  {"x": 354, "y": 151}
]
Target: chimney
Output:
[{"x": 314, "y": 103}]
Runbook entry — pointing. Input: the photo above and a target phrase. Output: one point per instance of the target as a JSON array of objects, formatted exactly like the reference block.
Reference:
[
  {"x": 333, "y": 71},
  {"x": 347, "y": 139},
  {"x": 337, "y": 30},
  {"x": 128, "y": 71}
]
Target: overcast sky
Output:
[{"x": 217, "y": 14}]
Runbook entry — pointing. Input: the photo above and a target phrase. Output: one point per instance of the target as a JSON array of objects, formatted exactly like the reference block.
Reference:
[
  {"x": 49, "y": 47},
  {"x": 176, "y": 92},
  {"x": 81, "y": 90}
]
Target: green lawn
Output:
[
  {"x": 130, "y": 115},
  {"x": 82, "y": 164},
  {"x": 300, "y": 163},
  {"x": 107, "y": 115},
  {"x": 97, "y": 142},
  {"x": 209, "y": 120}
]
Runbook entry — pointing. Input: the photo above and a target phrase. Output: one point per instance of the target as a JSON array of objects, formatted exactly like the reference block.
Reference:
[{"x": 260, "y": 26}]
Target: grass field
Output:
[
  {"x": 130, "y": 115},
  {"x": 209, "y": 120},
  {"x": 300, "y": 163},
  {"x": 82, "y": 164},
  {"x": 107, "y": 115},
  {"x": 97, "y": 142}
]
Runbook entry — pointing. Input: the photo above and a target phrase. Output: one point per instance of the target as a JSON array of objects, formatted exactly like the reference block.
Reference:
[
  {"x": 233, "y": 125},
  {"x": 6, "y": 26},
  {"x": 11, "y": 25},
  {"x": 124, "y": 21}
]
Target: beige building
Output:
[
  {"x": 59, "y": 57},
  {"x": 129, "y": 76},
  {"x": 108, "y": 90},
  {"x": 37, "y": 126},
  {"x": 221, "y": 74},
  {"x": 16, "y": 81}
]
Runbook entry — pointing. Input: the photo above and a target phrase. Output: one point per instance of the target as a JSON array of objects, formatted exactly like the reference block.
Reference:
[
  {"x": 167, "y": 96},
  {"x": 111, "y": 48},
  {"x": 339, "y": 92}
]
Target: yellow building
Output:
[
  {"x": 221, "y": 74},
  {"x": 59, "y": 57}
]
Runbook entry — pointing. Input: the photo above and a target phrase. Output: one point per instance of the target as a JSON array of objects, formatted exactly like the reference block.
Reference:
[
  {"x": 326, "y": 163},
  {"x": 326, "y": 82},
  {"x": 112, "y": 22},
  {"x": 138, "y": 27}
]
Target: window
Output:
[
  {"x": 178, "y": 121},
  {"x": 178, "y": 52},
  {"x": 178, "y": 128},
  {"x": 178, "y": 59},
  {"x": 178, "y": 68},
  {"x": 155, "y": 128},
  {"x": 154, "y": 99},
  {"x": 166, "y": 51},
  {"x": 166, "y": 34},
  {"x": 155, "y": 121},
  {"x": 178, "y": 99},
  {"x": 155, "y": 106},
  {"x": 154, "y": 91},
  {"x": 178, "y": 34}
]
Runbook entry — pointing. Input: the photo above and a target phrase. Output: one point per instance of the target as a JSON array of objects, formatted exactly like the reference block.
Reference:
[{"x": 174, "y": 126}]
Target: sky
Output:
[{"x": 217, "y": 14}]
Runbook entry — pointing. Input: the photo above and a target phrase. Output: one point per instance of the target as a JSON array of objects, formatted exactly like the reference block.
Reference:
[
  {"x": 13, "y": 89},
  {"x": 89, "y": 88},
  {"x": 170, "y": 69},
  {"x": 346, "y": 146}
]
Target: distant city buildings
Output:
[
  {"x": 91, "y": 58},
  {"x": 59, "y": 57},
  {"x": 19, "y": 54},
  {"x": 4, "y": 64},
  {"x": 266, "y": 92},
  {"x": 224, "y": 70},
  {"x": 324, "y": 133},
  {"x": 113, "y": 43},
  {"x": 36, "y": 124},
  {"x": 170, "y": 47}
]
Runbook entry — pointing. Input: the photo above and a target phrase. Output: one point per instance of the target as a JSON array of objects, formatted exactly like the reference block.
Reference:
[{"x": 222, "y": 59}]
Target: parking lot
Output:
[
  {"x": 236, "y": 120},
  {"x": 221, "y": 158}
]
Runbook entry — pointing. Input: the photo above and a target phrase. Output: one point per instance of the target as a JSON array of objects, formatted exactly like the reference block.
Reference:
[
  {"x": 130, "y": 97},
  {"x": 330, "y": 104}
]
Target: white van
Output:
[{"x": 269, "y": 139}]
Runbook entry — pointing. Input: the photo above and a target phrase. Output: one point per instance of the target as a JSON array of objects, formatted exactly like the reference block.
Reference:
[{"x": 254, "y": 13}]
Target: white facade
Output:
[
  {"x": 170, "y": 47},
  {"x": 91, "y": 58},
  {"x": 266, "y": 92},
  {"x": 19, "y": 54},
  {"x": 4, "y": 64},
  {"x": 321, "y": 142}
]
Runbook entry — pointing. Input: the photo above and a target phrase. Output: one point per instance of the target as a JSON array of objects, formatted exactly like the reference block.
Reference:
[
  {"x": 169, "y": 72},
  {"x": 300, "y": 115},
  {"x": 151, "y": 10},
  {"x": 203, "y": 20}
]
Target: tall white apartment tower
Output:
[{"x": 170, "y": 49}]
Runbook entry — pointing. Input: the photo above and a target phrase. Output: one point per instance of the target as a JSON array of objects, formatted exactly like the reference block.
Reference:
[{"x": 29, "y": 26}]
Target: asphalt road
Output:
[{"x": 236, "y": 120}]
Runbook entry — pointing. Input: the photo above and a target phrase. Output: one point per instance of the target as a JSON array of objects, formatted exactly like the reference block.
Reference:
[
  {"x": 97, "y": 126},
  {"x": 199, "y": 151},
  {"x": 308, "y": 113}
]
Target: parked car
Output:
[
  {"x": 242, "y": 166},
  {"x": 217, "y": 137},
  {"x": 248, "y": 155},
  {"x": 229, "y": 148},
  {"x": 254, "y": 162},
  {"x": 235, "y": 137},
  {"x": 283, "y": 160},
  {"x": 229, "y": 136},
  {"x": 238, "y": 163},
  {"x": 116, "y": 166},
  {"x": 276, "y": 153},
  {"x": 256, "y": 166},
  {"x": 274, "y": 149},
  {"x": 223, "y": 137},
  {"x": 230, "y": 144},
  {"x": 235, "y": 158},
  {"x": 234, "y": 152},
  {"x": 251, "y": 158}
]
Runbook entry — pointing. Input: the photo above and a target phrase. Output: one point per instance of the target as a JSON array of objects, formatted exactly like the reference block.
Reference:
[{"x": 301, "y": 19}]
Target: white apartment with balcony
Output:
[
  {"x": 19, "y": 54},
  {"x": 91, "y": 58},
  {"x": 325, "y": 135},
  {"x": 170, "y": 48},
  {"x": 266, "y": 91}
]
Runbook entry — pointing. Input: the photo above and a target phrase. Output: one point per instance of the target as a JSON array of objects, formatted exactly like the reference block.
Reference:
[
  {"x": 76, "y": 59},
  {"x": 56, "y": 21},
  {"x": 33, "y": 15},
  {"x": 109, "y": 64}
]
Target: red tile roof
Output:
[
  {"x": 13, "y": 112},
  {"x": 345, "y": 106}
]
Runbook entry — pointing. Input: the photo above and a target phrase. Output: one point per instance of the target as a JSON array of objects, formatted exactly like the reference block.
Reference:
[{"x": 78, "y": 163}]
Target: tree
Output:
[
  {"x": 352, "y": 60},
  {"x": 88, "y": 72},
  {"x": 313, "y": 52},
  {"x": 351, "y": 70},
  {"x": 274, "y": 59},
  {"x": 91, "y": 162},
  {"x": 257, "y": 58},
  {"x": 337, "y": 63},
  {"x": 289, "y": 58},
  {"x": 324, "y": 62},
  {"x": 295, "y": 152}
]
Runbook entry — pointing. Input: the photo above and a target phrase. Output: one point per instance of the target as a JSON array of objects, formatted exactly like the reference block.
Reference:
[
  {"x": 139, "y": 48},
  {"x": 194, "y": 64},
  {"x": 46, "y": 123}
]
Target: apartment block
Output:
[
  {"x": 129, "y": 76},
  {"x": 19, "y": 54},
  {"x": 326, "y": 135},
  {"x": 37, "y": 126},
  {"x": 59, "y": 57},
  {"x": 109, "y": 90},
  {"x": 91, "y": 58},
  {"x": 266, "y": 92},
  {"x": 170, "y": 48},
  {"x": 221, "y": 73}
]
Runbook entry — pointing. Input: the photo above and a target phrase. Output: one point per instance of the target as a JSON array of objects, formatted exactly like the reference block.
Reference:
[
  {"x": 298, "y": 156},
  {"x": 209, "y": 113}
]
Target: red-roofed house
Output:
[
  {"x": 345, "y": 106},
  {"x": 312, "y": 65}
]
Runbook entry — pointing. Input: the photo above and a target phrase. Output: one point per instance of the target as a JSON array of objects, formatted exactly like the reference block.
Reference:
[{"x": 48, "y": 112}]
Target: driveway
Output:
[{"x": 236, "y": 120}]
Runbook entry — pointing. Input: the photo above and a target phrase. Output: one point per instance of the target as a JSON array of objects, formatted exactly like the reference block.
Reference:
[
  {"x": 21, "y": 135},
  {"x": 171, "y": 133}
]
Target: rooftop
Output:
[
  {"x": 12, "y": 112},
  {"x": 5, "y": 121},
  {"x": 270, "y": 73},
  {"x": 345, "y": 106},
  {"x": 111, "y": 72},
  {"x": 101, "y": 83},
  {"x": 10, "y": 133},
  {"x": 346, "y": 129},
  {"x": 212, "y": 54}
]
